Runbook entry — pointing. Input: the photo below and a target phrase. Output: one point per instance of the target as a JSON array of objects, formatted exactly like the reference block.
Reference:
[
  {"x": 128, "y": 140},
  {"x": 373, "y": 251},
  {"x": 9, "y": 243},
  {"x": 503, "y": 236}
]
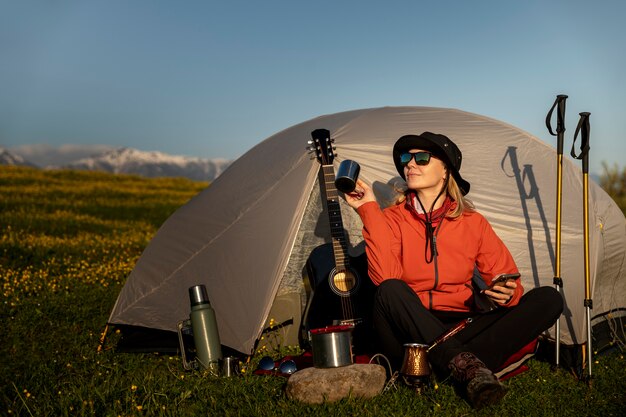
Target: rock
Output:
[{"x": 316, "y": 385}]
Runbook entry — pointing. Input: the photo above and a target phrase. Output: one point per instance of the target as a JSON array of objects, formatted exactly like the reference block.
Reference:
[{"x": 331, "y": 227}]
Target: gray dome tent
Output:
[{"x": 248, "y": 235}]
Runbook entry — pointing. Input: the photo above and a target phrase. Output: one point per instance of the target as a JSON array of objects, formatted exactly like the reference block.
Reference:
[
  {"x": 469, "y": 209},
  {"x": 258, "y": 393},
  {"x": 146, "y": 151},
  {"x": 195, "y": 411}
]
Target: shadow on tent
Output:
[{"x": 608, "y": 329}]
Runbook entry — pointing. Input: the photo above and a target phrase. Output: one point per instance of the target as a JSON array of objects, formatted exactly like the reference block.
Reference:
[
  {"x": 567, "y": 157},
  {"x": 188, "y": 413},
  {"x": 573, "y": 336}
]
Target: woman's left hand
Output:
[{"x": 502, "y": 294}]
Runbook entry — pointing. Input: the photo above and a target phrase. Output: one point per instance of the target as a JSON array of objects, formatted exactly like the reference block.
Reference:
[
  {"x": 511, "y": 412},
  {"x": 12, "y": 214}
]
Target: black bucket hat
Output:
[{"x": 440, "y": 146}]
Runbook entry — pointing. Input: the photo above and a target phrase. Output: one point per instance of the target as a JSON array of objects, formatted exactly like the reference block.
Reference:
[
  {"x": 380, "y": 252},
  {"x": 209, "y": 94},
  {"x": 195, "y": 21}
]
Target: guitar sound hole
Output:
[{"x": 343, "y": 283}]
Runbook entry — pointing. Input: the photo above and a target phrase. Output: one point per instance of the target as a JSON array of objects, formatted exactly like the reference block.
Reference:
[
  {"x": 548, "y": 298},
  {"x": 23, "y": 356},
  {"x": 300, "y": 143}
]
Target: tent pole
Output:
[
  {"x": 560, "y": 130},
  {"x": 584, "y": 128}
]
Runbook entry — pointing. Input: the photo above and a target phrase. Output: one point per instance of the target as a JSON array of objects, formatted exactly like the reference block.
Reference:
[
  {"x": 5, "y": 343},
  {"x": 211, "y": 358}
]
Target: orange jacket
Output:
[{"x": 395, "y": 245}]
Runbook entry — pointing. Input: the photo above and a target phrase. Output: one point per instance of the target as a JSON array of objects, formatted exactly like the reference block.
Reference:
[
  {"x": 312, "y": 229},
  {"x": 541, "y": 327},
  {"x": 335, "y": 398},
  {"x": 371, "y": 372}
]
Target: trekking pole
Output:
[
  {"x": 559, "y": 103},
  {"x": 584, "y": 129}
]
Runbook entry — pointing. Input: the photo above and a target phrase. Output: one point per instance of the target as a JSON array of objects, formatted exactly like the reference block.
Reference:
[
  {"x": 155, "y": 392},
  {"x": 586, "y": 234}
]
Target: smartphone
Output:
[{"x": 502, "y": 279}]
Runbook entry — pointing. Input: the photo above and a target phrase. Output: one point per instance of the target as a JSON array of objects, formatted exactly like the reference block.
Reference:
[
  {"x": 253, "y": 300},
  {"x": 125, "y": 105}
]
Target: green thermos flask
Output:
[{"x": 205, "y": 333}]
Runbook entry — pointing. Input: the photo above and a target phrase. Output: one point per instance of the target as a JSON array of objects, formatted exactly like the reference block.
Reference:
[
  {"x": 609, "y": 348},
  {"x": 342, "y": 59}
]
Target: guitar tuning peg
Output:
[
  {"x": 332, "y": 140},
  {"x": 310, "y": 142}
]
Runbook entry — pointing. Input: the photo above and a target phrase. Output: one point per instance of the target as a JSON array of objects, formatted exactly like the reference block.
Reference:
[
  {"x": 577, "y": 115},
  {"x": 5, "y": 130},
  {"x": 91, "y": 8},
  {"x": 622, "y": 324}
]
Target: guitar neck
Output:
[{"x": 340, "y": 246}]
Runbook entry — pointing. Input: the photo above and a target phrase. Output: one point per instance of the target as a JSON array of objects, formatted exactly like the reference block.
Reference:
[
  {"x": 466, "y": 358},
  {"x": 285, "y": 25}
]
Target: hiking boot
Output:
[{"x": 483, "y": 387}]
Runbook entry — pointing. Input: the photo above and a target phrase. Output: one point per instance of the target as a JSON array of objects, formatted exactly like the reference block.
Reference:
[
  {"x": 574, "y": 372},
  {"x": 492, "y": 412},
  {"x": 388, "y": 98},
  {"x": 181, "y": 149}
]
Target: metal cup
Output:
[
  {"x": 332, "y": 346},
  {"x": 347, "y": 174},
  {"x": 229, "y": 366}
]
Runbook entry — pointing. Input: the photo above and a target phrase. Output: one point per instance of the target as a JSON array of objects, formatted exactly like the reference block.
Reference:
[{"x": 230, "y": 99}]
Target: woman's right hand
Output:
[{"x": 362, "y": 194}]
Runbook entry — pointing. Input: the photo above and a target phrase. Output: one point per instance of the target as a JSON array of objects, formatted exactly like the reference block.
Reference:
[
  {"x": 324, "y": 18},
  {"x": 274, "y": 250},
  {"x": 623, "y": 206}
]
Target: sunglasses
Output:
[
  {"x": 287, "y": 366},
  {"x": 420, "y": 158}
]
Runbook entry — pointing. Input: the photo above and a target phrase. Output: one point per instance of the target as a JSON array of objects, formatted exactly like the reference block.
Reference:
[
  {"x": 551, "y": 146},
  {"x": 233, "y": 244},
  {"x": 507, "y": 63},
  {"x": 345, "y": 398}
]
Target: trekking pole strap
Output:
[
  {"x": 584, "y": 128},
  {"x": 559, "y": 104}
]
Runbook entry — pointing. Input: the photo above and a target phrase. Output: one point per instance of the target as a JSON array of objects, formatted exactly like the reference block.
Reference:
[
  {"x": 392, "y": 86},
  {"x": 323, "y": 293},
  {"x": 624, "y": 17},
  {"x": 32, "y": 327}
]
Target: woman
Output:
[{"x": 422, "y": 253}]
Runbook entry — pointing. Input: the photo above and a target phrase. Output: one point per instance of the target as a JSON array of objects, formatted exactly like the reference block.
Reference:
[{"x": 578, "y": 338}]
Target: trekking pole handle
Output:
[
  {"x": 585, "y": 129},
  {"x": 559, "y": 104}
]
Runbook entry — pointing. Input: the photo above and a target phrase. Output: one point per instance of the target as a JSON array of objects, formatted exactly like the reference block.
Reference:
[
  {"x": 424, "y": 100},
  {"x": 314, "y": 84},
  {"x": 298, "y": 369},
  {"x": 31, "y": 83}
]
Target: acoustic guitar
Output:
[{"x": 342, "y": 292}]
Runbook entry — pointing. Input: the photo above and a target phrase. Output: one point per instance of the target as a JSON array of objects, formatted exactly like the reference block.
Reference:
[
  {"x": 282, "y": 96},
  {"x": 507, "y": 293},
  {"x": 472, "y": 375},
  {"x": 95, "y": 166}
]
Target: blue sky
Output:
[{"x": 212, "y": 79}]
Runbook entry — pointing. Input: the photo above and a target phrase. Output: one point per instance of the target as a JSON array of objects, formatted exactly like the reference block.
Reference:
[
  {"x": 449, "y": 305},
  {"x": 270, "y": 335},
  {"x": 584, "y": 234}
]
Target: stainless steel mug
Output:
[
  {"x": 332, "y": 346},
  {"x": 230, "y": 366}
]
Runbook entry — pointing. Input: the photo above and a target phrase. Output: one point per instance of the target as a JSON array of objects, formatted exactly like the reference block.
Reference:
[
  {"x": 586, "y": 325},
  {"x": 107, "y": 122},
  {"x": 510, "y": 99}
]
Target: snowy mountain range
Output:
[
  {"x": 8, "y": 158},
  {"x": 133, "y": 161}
]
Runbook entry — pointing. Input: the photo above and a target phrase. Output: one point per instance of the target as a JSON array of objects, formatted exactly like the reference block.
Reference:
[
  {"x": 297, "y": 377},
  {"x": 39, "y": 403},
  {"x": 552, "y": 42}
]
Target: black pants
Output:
[{"x": 399, "y": 317}]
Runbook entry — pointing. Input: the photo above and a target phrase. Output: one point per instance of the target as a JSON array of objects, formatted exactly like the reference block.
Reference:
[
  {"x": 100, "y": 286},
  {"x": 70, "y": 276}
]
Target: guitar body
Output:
[{"x": 327, "y": 308}]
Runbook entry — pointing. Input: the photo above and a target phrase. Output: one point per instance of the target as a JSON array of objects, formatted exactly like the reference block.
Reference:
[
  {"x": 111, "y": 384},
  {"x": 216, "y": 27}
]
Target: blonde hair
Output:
[{"x": 463, "y": 204}]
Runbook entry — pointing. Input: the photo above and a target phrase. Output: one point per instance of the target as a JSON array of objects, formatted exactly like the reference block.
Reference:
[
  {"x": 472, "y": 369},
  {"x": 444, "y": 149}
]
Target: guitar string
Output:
[{"x": 334, "y": 213}]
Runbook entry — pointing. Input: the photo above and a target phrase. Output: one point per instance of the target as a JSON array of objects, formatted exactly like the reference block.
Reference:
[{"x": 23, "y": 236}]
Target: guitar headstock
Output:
[{"x": 322, "y": 144}]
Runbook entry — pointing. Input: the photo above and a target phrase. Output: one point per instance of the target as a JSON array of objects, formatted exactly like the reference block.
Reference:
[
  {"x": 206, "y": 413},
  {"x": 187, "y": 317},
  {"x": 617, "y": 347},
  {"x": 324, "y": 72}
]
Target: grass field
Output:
[{"x": 69, "y": 239}]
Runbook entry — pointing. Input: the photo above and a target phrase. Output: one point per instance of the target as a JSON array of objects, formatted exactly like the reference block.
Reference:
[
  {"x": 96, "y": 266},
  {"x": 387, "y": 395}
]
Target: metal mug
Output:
[
  {"x": 229, "y": 366},
  {"x": 347, "y": 174},
  {"x": 332, "y": 346}
]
